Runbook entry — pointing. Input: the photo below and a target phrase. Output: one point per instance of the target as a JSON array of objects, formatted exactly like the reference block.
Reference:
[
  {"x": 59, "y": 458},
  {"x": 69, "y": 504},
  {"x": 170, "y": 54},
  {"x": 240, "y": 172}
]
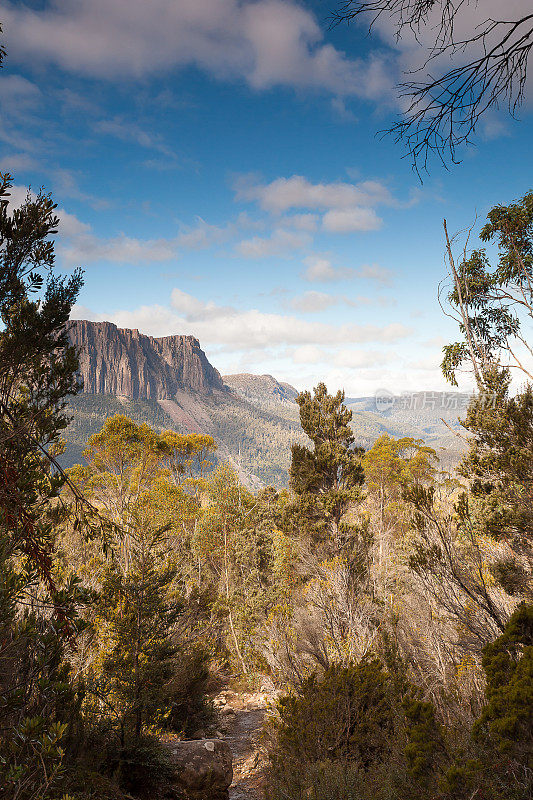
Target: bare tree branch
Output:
[{"x": 444, "y": 111}]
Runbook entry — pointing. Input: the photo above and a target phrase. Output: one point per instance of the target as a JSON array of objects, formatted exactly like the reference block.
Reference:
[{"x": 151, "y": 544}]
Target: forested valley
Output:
[{"x": 387, "y": 604}]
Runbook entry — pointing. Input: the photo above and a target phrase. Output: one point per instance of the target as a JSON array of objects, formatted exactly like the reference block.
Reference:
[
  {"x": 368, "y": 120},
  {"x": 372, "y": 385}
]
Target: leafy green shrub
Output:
[
  {"x": 345, "y": 715},
  {"x": 425, "y": 745},
  {"x": 108, "y": 769}
]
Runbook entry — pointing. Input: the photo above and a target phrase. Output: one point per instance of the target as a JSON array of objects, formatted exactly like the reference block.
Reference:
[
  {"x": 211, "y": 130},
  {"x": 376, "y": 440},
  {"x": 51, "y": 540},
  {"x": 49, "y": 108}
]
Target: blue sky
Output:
[{"x": 218, "y": 173}]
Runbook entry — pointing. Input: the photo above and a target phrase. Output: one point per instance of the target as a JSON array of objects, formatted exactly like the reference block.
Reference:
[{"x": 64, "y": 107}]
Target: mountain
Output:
[
  {"x": 261, "y": 389},
  {"x": 169, "y": 383},
  {"x": 127, "y": 363},
  {"x": 430, "y": 416}
]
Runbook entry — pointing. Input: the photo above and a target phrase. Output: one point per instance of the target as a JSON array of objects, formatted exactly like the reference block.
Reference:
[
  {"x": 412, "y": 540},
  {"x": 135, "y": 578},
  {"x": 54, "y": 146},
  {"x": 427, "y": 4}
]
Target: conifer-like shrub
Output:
[{"x": 340, "y": 736}]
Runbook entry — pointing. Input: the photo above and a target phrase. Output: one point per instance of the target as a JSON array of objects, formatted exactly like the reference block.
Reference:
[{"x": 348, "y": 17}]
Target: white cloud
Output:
[
  {"x": 128, "y": 131},
  {"x": 310, "y": 302},
  {"x": 355, "y": 359},
  {"x": 20, "y": 102},
  {"x": 194, "y": 309},
  {"x": 309, "y": 354},
  {"x": 79, "y": 245},
  {"x": 302, "y": 222},
  {"x": 238, "y": 330},
  {"x": 320, "y": 269},
  {"x": 343, "y": 357},
  {"x": 284, "y": 194},
  {"x": 71, "y": 227},
  {"x": 376, "y": 273},
  {"x": 121, "y": 249},
  {"x": 348, "y": 207},
  {"x": 349, "y": 220},
  {"x": 20, "y": 92},
  {"x": 18, "y": 162},
  {"x": 266, "y": 42},
  {"x": 280, "y": 242},
  {"x": 204, "y": 234}
]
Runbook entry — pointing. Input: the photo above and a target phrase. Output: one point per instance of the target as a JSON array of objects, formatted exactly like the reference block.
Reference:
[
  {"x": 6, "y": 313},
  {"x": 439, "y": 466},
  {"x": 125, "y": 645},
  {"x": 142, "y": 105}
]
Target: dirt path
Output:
[{"x": 243, "y": 719}]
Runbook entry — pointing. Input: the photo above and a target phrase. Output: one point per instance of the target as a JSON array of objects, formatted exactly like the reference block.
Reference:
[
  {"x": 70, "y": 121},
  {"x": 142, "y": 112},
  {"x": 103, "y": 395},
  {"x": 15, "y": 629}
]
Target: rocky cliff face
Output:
[{"x": 127, "y": 363}]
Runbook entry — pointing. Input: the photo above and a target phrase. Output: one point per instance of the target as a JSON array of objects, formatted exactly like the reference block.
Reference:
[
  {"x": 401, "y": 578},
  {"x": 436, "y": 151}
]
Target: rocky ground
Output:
[
  {"x": 203, "y": 763},
  {"x": 242, "y": 718}
]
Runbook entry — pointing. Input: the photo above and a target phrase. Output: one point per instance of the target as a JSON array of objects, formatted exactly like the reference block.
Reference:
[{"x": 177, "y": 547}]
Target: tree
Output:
[
  {"x": 326, "y": 479},
  {"x": 37, "y": 373},
  {"x": 221, "y": 541},
  {"x": 187, "y": 457},
  {"x": 489, "y": 66},
  {"x": 501, "y": 739},
  {"x": 493, "y": 304},
  {"x": 38, "y": 615},
  {"x": 507, "y": 719},
  {"x": 139, "y": 479},
  {"x": 136, "y": 655},
  {"x": 390, "y": 466},
  {"x": 454, "y": 565},
  {"x": 493, "y": 307}
]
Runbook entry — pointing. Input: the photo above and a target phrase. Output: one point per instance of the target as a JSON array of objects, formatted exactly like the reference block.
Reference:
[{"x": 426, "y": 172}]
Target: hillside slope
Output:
[{"x": 170, "y": 384}]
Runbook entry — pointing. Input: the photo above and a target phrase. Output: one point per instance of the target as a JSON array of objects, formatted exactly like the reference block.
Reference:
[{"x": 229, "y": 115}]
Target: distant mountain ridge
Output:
[{"x": 264, "y": 389}]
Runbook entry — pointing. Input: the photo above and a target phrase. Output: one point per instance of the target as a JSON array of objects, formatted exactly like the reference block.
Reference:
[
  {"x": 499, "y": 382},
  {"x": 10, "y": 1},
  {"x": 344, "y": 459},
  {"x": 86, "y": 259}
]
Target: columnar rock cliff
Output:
[{"x": 124, "y": 362}]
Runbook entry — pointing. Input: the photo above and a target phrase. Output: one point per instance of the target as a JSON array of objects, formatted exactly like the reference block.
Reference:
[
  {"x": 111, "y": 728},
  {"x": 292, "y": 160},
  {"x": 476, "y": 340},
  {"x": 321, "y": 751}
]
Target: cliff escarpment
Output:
[{"x": 124, "y": 362}]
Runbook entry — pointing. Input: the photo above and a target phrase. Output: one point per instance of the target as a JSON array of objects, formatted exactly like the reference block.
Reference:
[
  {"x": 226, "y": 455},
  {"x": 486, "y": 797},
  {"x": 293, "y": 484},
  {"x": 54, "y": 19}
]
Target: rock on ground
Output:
[{"x": 202, "y": 768}]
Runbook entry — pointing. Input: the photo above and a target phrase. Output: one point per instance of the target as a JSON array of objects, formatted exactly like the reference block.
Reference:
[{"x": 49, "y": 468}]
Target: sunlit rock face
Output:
[{"x": 126, "y": 363}]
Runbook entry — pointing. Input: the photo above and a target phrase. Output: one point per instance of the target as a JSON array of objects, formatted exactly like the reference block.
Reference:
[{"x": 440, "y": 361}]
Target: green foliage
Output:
[
  {"x": 492, "y": 302},
  {"x": 358, "y": 733},
  {"x": 327, "y": 479},
  {"x": 32, "y": 765},
  {"x": 331, "y": 780},
  {"x": 357, "y": 697},
  {"x": 498, "y": 468},
  {"x": 38, "y": 367},
  {"x": 340, "y": 736},
  {"x": 507, "y": 720},
  {"x": 244, "y": 558},
  {"x": 148, "y": 485},
  {"x": 391, "y": 466},
  {"x": 38, "y": 615},
  {"x": 135, "y": 661},
  {"x": 425, "y": 744},
  {"x": 138, "y": 767}
]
